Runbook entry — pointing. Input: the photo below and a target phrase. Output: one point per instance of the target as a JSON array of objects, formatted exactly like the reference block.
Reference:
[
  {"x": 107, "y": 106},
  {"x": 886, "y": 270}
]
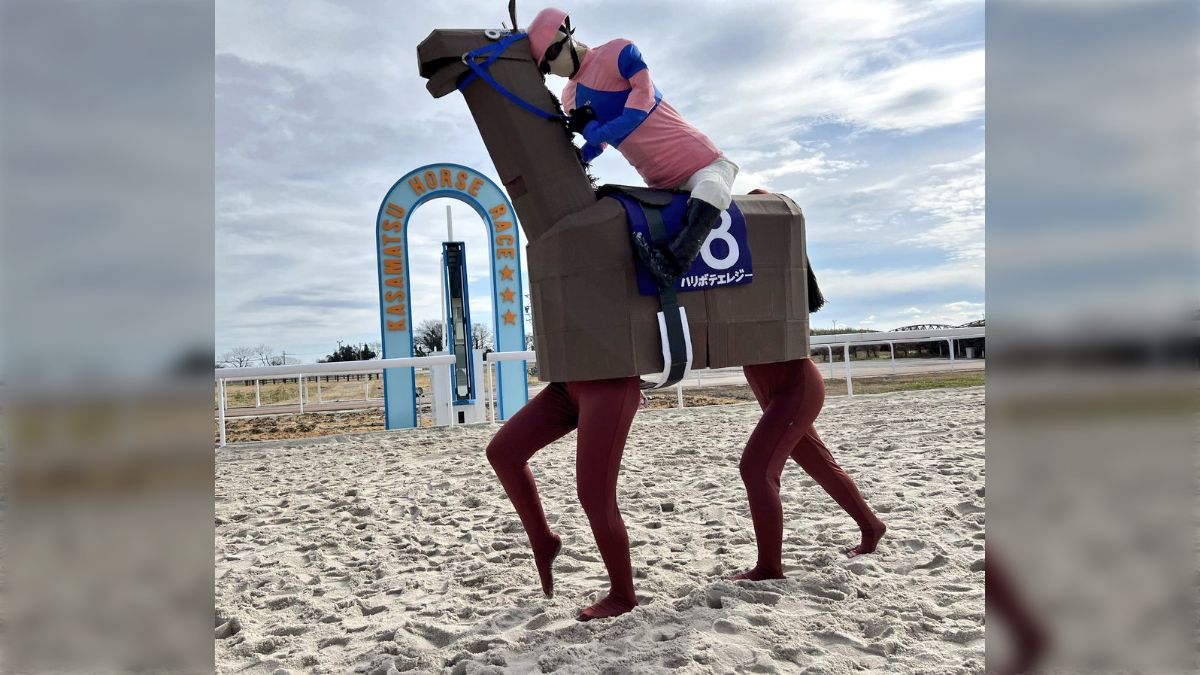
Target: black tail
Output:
[{"x": 815, "y": 300}]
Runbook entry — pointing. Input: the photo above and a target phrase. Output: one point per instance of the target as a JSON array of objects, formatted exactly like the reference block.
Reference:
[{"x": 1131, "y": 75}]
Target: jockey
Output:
[{"x": 613, "y": 102}]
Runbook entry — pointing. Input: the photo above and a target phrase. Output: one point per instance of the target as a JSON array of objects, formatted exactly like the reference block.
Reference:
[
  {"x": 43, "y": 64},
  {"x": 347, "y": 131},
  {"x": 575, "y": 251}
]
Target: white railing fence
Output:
[
  {"x": 497, "y": 357},
  {"x": 828, "y": 342},
  {"x": 299, "y": 370},
  {"x": 891, "y": 339}
]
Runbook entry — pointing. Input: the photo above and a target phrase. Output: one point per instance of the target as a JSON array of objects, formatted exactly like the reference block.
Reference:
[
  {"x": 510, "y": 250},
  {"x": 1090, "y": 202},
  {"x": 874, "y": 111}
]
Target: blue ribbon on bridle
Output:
[{"x": 479, "y": 70}]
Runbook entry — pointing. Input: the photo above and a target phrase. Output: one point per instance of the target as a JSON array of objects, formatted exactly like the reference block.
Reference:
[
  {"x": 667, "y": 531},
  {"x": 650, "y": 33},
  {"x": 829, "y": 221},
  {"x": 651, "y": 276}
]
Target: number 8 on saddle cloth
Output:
[{"x": 724, "y": 261}]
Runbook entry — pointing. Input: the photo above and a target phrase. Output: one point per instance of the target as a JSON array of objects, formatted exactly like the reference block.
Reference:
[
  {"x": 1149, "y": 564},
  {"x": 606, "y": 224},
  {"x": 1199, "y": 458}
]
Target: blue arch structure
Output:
[{"x": 467, "y": 185}]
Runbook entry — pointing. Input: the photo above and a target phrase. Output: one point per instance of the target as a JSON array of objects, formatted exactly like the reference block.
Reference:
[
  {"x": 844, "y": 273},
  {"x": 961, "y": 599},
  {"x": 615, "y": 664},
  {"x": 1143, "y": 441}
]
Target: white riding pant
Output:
[{"x": 713, "y": 183}]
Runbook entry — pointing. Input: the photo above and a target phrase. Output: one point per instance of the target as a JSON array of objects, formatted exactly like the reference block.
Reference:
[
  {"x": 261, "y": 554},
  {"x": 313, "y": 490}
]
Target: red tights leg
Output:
[
  {"x": 606, "y": 410},
  {"x": 548, "y": 417},
  {"x": 603, "y": 411},
  {"x": 793, "y": 399},
  {"x": 814, "y": 457}
]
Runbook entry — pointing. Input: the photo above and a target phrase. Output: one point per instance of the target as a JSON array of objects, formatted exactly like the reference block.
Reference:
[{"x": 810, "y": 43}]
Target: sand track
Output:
[{"x": 399, "y": 552}]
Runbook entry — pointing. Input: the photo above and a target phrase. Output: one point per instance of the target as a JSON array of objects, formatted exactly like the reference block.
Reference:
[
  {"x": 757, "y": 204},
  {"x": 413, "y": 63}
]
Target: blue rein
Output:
[{"x": 479, "y": 70}]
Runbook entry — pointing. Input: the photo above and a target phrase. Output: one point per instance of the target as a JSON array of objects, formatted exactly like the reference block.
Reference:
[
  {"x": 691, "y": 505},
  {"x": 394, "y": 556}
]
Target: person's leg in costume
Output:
[
  {"x": 606, "y": 411},
  {"x": 603, "y": 411},
  {"x": 1030, "y": 639},
  {"x": 548, "y": 417},
  {"x": 793, "y": 399},
  {"x": 814, "y": 457}
]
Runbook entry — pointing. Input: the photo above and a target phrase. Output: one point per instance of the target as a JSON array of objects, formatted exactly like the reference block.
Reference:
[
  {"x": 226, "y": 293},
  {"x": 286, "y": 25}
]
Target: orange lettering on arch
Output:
[
  {"x": 415, "y": 183},
  {"x": 498, "y": 210},
  {"x": 475, "y": 185},
  {"x": 446, "y": 180},
  {"x": 505, "y": 240},
  {"x": 397, "y": 325},
  {"x": 398, "y": 282},
  {"x": 397, "y": 251},
  {"x": 502, "y": 225},
  {"x": 397, "y": 309},
  {"x": 460, "y": 182},
  {"x": 395, "y": 211},
  {"x": 431, "y": 179},
  {"x": 393, "y": 266},
  {"x": 505, "y": 253}
]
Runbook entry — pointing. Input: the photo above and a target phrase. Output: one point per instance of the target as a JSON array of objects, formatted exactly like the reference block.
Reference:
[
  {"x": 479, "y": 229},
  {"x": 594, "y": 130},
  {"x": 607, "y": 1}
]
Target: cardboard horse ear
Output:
[{"x": 589, "y": 320}]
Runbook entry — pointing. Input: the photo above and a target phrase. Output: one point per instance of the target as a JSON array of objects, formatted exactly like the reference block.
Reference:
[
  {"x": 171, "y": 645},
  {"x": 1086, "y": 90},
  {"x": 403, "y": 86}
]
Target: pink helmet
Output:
[{"x": 542, "y": 31}]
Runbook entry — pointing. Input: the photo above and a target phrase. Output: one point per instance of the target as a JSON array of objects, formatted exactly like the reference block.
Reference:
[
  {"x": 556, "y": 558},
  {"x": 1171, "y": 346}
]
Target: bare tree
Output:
[
  {"x": 264, "y": 355},
  {"x": 240, "y": 357},
  {"x": 481, "y": 336},
  {"x": 428, "y": 337}
]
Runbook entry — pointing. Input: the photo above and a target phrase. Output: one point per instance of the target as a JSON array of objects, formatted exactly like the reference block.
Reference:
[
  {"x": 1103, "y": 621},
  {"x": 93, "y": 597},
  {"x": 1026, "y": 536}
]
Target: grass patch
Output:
[{"x": 914, "y": 382}]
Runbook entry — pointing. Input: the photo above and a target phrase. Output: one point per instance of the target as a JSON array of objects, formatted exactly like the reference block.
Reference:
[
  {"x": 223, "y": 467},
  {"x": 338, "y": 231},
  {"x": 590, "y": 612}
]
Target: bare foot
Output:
[
  {"x": 757, "y": 574},
  {"x": 870, "y": 539},
  {"x": 606, "y": 608},
  {"x": 544, "y": 560}
]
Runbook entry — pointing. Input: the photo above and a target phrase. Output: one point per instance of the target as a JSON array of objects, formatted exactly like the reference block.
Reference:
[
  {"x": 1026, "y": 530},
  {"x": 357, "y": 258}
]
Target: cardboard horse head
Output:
[{"x": 589, "y": 320}]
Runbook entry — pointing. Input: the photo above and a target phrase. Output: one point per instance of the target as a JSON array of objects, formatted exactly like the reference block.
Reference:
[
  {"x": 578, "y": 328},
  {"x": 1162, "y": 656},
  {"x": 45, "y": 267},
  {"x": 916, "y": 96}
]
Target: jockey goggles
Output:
[{"x": 556, "y": 48}]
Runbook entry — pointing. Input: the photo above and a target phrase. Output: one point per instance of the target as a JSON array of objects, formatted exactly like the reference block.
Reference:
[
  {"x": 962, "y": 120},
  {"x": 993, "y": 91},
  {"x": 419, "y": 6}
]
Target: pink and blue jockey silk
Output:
[
  {"x": 632, "y": 116},
  {"x": 729, "y": 248}
]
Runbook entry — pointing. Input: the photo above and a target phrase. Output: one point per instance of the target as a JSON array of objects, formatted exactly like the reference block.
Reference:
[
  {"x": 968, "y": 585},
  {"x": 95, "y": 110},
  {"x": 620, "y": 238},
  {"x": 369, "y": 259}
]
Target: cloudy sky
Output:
[{"x": 869, "y": 114}]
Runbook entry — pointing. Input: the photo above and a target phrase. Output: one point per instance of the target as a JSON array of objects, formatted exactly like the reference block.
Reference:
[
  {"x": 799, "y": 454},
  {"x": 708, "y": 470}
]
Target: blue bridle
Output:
[{"x": 479, "y": 70}]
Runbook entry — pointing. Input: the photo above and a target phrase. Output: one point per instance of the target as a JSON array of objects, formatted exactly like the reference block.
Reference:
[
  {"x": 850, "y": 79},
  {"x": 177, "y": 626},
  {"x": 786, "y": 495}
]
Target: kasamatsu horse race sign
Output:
[{"x": 467, "y": 185}]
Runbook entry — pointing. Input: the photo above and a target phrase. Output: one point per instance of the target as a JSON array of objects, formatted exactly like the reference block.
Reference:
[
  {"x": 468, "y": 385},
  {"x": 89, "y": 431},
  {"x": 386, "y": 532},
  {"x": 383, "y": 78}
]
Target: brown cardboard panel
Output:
[
  {"x": 761, "y": 300},
  {"x": 604, "y": 303},
  {"x": 529, "y": 152},
  {"x": 593, "y": 240},
  {"x": 449, "y": 44},
  {"x": 761, "y": 342},
  {"x": 583, "y": 270},
  {"x": 546, "y": 316},
  {"x": 607, "y": 356},
  {"x": 587, "y": 260}
]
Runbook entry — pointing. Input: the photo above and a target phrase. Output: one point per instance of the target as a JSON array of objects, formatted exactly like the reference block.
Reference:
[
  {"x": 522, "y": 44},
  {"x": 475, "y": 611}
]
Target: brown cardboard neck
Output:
[{"x": 533, "y": 156}]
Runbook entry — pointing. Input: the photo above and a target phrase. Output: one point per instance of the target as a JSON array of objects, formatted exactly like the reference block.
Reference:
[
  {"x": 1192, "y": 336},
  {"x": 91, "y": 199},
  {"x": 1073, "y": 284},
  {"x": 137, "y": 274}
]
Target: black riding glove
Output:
[{"x": 579, "y": 118}]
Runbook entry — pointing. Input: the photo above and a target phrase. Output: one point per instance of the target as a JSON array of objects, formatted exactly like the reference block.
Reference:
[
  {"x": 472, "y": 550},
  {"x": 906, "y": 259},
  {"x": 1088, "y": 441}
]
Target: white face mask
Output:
[{"x": 563, "y": 65}]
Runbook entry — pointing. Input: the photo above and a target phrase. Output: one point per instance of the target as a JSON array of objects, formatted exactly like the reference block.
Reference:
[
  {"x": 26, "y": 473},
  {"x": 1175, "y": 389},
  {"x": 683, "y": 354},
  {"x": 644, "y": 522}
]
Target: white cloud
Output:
[
  {"x": 796, "y": 162},
  {"x": 320, "y": 109},
  {"x": 844, "y": 284},
  {"x": 952, "y": 193}
]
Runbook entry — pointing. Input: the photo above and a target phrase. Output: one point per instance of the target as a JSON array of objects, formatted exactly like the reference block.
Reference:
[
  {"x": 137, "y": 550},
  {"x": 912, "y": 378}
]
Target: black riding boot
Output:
[{"x": 668, "y": 263}]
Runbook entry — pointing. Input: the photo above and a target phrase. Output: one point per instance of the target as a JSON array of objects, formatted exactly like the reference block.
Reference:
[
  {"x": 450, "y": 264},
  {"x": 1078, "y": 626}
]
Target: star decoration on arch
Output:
[
  {"x": 506, "y": 273},
  {"x": 510, "y": 318},
  {"x": 507, "y": 295}
]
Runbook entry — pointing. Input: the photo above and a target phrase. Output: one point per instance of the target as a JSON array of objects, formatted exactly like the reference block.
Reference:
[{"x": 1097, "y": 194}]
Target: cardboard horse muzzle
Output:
[{"x": 589, "y": 320}]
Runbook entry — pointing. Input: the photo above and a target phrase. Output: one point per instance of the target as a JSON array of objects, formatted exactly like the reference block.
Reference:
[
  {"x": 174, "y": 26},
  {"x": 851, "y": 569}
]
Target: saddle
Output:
[
  {"x": 673, "y": 330},
  {"x": 655, "y": 213},
  {"x": 647, "y": 197}
]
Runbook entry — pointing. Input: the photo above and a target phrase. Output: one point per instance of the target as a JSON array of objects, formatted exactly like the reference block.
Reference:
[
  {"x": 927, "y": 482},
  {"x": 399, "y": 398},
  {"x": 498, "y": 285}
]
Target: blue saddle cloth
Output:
[{"x": 724, "y": 258}]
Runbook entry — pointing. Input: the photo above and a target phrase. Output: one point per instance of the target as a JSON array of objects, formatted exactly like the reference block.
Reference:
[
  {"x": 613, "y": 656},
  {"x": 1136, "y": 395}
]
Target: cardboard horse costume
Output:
[
  {"x": 596, "y": 333},
  {"x": 590, "y": 321}
]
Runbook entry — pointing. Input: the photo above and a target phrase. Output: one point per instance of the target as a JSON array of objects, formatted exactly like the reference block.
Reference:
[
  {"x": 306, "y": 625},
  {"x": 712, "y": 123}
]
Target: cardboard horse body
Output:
[{"x": 589, "y": 321}]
